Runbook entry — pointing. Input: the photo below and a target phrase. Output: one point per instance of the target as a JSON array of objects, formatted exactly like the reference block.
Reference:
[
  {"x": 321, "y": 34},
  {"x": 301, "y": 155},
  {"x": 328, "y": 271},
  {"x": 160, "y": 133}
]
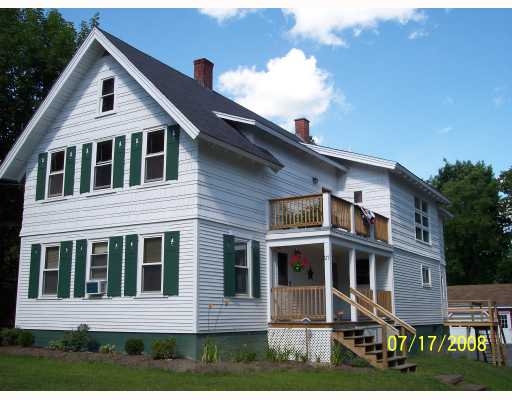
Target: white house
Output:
[{"x": 156, "y": 206}]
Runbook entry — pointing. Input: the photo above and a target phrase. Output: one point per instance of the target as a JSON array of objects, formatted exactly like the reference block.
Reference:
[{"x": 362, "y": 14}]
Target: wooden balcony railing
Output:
[
  {"x": 340, "y": 213},
  {"x": 308, "y": 211},
  {"x": 298, "y": 302},
  {"x": 296, "y": 212}
]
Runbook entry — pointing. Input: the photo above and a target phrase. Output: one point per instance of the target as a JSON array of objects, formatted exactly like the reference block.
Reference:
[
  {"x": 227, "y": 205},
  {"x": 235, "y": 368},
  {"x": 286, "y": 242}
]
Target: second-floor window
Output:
[
  {"x": 56, "y": 174},
  {"x": 421, "y": 220},
  {"x": 154, "y": 158},
  {"x": 103, "y": 165},
  {"x": 107, "y": 95}
]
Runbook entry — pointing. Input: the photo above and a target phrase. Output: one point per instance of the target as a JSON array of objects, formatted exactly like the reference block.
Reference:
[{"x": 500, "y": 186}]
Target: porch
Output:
[
  {"x": 303, "y": 277},
  {"x": 328, "y": 211}
]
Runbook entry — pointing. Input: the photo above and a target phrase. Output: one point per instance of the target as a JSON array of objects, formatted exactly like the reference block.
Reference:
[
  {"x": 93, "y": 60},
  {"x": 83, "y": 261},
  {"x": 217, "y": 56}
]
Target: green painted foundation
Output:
[{"x": 188, "y": 345}]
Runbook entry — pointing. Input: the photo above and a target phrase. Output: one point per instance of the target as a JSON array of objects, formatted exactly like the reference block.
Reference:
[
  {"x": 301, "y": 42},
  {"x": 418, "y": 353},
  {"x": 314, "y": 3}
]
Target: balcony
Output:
[{"x": 325, "y": 210}]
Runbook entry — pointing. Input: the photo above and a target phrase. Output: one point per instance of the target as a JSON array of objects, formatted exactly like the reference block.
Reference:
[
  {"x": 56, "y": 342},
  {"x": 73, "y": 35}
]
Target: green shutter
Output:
[
  {"x": 35, "y": 266},
  {"x": 69, "y": 182},
  {"x": 80, "y": 269},
  {"x": 135, "y": 158},
  {"x": 118, "y": 180},
  {"x": 85, "y": 171},
  {"x": 173, "y": 144},
  {"x": 130, "y": 265},
  {"x": 41, "y": 175},
  {"x": 229, "y": 265},
  {"x": 115, "y": 259},
  {"x": 171, "y": 263},
  {"x": 65, "y": 257},
  {"x": 256, "y": 269}
]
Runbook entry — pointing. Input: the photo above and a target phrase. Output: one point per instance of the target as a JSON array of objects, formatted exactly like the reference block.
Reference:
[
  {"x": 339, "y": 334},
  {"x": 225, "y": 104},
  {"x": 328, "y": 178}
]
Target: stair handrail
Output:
[
  {"x": 384, "y": 311},
  {"x": 362, "y": 309}
]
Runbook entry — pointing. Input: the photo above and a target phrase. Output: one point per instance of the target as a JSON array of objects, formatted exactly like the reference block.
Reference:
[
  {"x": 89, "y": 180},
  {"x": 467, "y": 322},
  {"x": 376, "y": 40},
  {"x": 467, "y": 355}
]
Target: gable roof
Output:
[
  {"x": 390, "y": 165},
  {"x": 501, "y": 293},
  {"x": 188, "y": 103}
]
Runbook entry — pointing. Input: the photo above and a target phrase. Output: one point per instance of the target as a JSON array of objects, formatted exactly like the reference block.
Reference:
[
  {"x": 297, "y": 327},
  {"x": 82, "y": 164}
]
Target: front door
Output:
[{"x": 282, "y": 269}]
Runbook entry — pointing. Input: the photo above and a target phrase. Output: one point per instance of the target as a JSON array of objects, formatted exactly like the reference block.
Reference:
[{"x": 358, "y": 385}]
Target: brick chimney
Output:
[
  {"x": 302, "y": 129},
  {"x": 203, "y": 72}
]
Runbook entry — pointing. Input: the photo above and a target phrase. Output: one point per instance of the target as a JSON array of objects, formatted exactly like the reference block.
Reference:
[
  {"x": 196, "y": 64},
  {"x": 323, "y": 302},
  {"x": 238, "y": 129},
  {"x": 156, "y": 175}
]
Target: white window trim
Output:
[
  {"x": 48, "y": 168},
  {"x": 429, "y": 269},
  {"x": 420, "y": 225},
  {"x": 140, "y": 263},
  {"x": 506, "y": 316},
  {"x": 88, "y": 263},
  {"x": 42, "y": 269},
  {"x": 103, "y": 77},
  {"x": 94, "y": 153},
  {"x": 248, "y": 243},
  {"x": 144, "y": 150}
]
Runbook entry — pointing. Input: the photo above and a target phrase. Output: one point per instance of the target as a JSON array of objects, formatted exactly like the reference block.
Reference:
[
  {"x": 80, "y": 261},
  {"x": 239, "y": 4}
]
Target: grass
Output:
[{"x": 34, "y": 373}]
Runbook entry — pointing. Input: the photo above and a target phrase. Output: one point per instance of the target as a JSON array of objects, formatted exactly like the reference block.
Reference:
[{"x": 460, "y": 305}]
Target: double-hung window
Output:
[
  {"x": 152, "y": 268},
  {"x": 154, "y": 158},
  {"x": 426, "y": 276},
  {"x": 503, "y": 320},
  {"x": 50, "y": 278},
  {"x": 421, "y": 220},
  {"x": 242, "y": 268},
  {"x": 56, "y": 174},
  {"x": 103, "y": 165},
  {"x": 107, "y": 95},
  {"x": 98, "y": 266}
]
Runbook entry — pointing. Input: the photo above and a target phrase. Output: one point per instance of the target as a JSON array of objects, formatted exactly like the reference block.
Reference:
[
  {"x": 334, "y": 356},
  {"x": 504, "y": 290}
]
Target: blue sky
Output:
[{"x": 414, "y": 86}]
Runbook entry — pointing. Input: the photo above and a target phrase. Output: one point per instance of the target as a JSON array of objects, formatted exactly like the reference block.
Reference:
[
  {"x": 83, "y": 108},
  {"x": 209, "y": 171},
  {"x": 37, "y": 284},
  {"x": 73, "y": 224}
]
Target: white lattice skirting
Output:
[{"x": 315, "y": 342}]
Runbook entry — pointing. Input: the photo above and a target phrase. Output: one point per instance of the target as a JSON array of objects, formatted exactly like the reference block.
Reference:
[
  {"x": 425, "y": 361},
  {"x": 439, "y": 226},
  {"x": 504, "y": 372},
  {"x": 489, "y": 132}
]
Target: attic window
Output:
[
  {"x": 107, "y": 95},
  {"x": 358, "y": 196}
]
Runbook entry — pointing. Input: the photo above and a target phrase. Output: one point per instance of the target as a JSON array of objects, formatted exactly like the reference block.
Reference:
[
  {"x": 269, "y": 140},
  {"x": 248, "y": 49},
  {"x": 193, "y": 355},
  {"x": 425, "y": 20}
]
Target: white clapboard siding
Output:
[
  {"x": 122, "y": 314},
  {"x": 77, "y": 124},
  {"x": 416, "y": 304},
  {"x": 216, "y": 313},
  {"x": 403, "y": 225},
  {"x": 372, "y": 181}
]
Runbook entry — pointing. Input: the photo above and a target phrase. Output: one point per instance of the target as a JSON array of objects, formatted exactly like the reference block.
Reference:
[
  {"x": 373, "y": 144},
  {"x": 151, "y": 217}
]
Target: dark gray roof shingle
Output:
[{"x": 198, "y": 103}]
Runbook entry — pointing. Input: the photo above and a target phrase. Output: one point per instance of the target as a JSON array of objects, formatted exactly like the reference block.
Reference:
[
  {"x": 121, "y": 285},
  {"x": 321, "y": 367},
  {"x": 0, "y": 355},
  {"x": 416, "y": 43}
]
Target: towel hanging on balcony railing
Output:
[{"x": 368, "y": 216}]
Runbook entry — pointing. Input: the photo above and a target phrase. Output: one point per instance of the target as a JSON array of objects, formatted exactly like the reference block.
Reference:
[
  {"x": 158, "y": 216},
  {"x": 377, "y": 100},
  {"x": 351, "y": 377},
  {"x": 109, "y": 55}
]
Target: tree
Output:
[
  {"x": 475, "y": 242},
  {"x": 504, "y": 272},
  {"x": 36, "y": 46}
]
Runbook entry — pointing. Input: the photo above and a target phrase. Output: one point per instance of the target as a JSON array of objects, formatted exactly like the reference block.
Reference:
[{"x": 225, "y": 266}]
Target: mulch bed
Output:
[{"x": 176, "y": 365}]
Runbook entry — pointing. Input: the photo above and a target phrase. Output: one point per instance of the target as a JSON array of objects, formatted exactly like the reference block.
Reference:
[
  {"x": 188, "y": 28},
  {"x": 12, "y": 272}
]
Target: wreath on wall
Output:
[{"x": 299, "y": 262}]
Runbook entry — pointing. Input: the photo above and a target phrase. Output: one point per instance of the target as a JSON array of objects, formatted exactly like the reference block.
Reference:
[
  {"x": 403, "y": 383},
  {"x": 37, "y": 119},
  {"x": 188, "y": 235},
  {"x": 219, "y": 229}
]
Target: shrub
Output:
[
  {"x": 79, "y": 340},
  {"x": 245, "y": 355},
  {"x": 210, "y": 352},
  {"x": 56, "y": 345},
  {"x": 10, "y": 336},
  {"x": 276, "y": 355},
  {"x": 163, "y": 349},
  {"x": 336, "y": 354},
  {"x": 108, "y": 348},
  {"x": 134, "y": 346},
  {"x": 26, "y": 339}
]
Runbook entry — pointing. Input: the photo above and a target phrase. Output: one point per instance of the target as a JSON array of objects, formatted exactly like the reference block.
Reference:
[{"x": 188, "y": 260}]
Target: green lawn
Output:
[{"x": 33, "y": 373}]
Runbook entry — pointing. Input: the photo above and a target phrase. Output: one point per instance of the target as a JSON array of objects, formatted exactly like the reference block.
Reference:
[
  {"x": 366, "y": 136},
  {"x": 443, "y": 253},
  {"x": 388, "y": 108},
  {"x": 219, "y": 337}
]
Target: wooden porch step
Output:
[
  {"x": 407, "y": 367},
  {"x": 366, "y": 344},
  {"x": 358, "y": 337}
]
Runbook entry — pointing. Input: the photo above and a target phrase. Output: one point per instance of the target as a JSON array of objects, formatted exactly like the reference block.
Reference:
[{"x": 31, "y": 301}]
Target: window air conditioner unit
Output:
[{"x": 96, "y": 287}]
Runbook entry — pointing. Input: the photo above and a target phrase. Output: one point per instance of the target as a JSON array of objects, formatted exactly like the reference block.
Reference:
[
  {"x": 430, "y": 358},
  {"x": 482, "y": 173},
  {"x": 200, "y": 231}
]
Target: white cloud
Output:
[
  {"x": 445, "y": 130},
  {"x": 448, "y": 100},
  {"x": 418, "y": 34},
  {"x": 289, "y": 87},
  {"x": 327, "y": 25},
  {"x": 500, "y": 95},
  {"x": 225, "y": 14}
]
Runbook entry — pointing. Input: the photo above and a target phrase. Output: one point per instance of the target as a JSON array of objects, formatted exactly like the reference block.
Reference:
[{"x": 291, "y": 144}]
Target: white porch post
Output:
[
  {"x": 326, "y": 206},
  {"x": 352, "y": 280},
  {"x": 373, "y": 277},
  {"x": 328, "y": 280},
  {"x": 270, "y": 280}
]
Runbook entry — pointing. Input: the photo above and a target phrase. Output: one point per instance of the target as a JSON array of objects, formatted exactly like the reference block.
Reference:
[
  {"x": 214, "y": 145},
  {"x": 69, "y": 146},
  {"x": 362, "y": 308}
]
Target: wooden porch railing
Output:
[
  {"x": 384, "y": 299},
  {"x": 296, "y": 212},
  {"x": 297, "y": 302},
  {"x": 340, "y": 213},
  {"x": 381, "y": 228},
  {"x": 308, "y": 211}
]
